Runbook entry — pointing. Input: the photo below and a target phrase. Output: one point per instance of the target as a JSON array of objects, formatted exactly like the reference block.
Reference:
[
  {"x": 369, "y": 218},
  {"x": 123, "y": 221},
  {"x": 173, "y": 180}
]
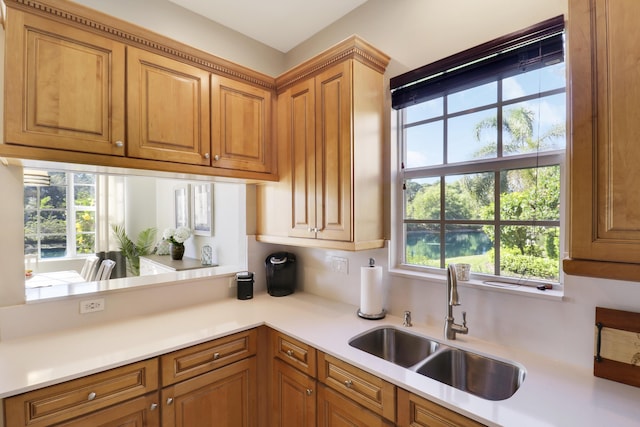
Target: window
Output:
[
  {"x": 481, "y": 143},
  {"x": 60, "y": 218}
]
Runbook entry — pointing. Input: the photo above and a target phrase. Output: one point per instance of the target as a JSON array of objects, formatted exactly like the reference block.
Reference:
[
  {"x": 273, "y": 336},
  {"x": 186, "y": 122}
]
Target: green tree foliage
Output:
[{"x": 530, "y": 194}]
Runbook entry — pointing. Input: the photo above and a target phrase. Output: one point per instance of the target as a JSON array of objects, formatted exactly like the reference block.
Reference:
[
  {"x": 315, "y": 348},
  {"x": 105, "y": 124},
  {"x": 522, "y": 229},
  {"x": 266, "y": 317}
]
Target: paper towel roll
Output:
[{"x": 371, "y": 290}]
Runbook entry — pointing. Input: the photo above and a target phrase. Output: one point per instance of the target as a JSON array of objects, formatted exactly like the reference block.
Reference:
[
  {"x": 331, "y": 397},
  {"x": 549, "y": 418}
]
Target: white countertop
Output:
[{"x": 553, "y": 394}]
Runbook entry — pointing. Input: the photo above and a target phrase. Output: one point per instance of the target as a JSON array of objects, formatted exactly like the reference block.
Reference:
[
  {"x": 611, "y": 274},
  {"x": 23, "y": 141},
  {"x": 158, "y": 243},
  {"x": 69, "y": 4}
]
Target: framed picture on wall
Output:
[
  {"x": 202, "y": 209},
  {"x": 181, "y": 205}
]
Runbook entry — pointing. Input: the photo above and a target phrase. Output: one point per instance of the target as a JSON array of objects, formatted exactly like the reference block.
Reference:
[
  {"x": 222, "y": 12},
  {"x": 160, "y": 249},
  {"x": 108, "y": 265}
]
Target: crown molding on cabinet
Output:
[{"x": 107, "y": 26}]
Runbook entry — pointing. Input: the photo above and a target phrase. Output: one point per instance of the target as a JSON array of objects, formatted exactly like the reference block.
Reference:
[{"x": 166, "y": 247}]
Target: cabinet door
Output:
[
  {"x": 240, "y": 126},
  {"x": 224, "y": 397},
  {"x": 335, "y": 410},
  {"x": 293, "y": 397},
  {"x": 605, "y": 102},
  {"x": 300, "y": 133},
  {"x": 67, "y": 87},
  {"x": 333, "y": 153},
  {"x": 141, "y": 412},
  {"x": 168, "y": 109},
  {"x": 414, "y": 411}
]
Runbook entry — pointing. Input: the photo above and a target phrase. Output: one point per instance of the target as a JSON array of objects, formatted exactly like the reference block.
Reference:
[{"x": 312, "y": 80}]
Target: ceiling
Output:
[{"x": 281, "y": 24}]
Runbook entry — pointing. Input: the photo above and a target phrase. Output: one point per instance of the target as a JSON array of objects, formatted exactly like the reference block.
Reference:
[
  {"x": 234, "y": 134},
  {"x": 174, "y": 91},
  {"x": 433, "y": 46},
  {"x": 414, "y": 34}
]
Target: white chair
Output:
[
  {"x": 105, "y": 269},
  {"x": 89, "y": 268}
]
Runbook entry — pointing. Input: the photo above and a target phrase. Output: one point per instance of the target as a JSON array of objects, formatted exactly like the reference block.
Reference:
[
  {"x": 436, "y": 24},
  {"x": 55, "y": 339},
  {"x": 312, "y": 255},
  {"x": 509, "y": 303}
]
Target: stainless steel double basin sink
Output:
[{"x": 482, "y": 376}]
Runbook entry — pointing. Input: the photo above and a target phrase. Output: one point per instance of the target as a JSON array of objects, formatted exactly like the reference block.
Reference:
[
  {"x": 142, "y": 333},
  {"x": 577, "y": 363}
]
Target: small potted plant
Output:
[{"x": 176, "y": 237}]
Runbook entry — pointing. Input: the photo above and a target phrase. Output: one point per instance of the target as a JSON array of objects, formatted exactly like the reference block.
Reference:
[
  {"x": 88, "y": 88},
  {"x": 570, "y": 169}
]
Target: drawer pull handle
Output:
[
  {"x": 216, "y": 356},
  {"x": 169, "y": 400},
  {"x": 91, "y": 396},
  {"x": 207, "y": 156},
  {"x": 119, "y": 144},
  {"x": 290, "y": 353},
  {"x": 216, "y": 157},
  {"x": 309, "y": 392},
  {"x": 348, "y": 383},
  {"x": 153, "y": 407}
]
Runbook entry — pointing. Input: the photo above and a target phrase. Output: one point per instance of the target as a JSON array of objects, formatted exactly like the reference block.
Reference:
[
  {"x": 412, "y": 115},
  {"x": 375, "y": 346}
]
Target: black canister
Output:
[{"x": 244, "y": 283}]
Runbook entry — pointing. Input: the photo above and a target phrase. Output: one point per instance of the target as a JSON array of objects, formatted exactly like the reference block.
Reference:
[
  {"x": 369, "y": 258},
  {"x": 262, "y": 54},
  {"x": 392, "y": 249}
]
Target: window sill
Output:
[
  {"x": 513, "y": 289},
  {"x": 49, "y": 293}
]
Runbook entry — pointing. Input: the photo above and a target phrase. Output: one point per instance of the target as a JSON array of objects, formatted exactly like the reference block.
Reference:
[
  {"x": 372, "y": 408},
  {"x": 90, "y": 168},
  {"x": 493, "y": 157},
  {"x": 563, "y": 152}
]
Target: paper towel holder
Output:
[{"x": 378, "y": 316}]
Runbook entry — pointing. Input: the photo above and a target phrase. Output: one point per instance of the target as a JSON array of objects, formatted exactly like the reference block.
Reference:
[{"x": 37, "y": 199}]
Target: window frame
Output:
[
  {"x": 400, "y": 175},
  {"x": 71, "y": 211}
]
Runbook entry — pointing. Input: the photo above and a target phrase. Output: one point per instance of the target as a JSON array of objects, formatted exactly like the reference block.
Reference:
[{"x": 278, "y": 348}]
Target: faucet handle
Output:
[{"x": 464, "y": 319}]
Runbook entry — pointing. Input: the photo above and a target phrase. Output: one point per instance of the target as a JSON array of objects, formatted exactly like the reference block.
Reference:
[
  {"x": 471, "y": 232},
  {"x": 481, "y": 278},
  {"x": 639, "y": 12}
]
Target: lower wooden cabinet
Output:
[
  {"x": 293, "y": 397},
  {"x": 414, "y": 411},
  {"x": 336, "y": 410},
  {"x": 78, "y": 398},
  {"x": 205, "y": 385},
  {"x": 140, "y": 412},
  {"x": 299, "y": 399},
  {"x": 223, "y": 397}
]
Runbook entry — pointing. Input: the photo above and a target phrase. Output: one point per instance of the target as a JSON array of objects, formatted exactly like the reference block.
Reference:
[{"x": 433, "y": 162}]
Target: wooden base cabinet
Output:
[
  {"x": 330, "y": 125},
  {"x": 108, "y": 398},
  {"x": 604, "y": 47},
  {"x": 223, "y": 397},
  {"x": 335, "y": 410},
  {"x": 298, "y": 399},
  {"x": 294, "y": 397},
  {"x": 414, "y": 411},
  {"x": 206, "y": 385},
  {"x": 140, "y": 412}
]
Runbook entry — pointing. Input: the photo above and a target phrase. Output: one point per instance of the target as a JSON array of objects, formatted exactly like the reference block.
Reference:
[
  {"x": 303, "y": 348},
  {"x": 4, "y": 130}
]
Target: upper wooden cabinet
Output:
[
  {"x": 604, "y": 51},
  {"x": 330, "y": 125},
  {"x": 83, "y": 87},
  {"x": 64, "y": 87},
  {"x": 241, "y": 131},
  {"x": 168, "y": 109}
]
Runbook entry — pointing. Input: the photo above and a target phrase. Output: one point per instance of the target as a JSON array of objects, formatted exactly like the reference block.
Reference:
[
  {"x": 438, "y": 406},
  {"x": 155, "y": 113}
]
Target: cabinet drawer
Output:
[
  {"x": 64, "y": 401},
  {"x": 414, "y": 411},
  {"x": 198, "y": 359},
  {"x": 368, "y": 390},
  {"x": 295, "y": 353},
  {"x": 142, "y": 411}
]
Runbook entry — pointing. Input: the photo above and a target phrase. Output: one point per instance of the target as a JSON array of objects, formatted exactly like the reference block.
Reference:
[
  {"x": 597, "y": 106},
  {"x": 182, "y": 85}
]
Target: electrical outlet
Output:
[
  {"x": 340, "y": 265},
  {"x": 91, "y": 305}
]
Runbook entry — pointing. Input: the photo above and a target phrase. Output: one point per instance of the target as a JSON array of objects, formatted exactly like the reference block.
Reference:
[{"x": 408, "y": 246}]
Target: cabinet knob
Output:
[
  {"x": 348, "y": 383},
  {"x": 119, "y": 144},
  {"x": 290, "y": 353},
  {"x": 153, "y": 407},
  {"x": 169, "y": 400},
  {"x": 216, "y": 356},
  {"x": 207, "y": 155},
  {"x": 91, "y": 395},
  {"x": 309, "y": 392},
  {"x": 216, "y": 157}
]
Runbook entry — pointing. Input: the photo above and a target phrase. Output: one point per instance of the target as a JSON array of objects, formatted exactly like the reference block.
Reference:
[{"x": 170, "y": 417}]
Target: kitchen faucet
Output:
[{"x": 450, "y": 327}]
